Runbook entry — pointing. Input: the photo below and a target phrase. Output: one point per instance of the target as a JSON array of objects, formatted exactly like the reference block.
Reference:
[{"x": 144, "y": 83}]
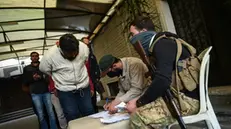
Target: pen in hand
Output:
[
  {"x": 106, "y": 106},
  {"x": 106, "y": 100}
]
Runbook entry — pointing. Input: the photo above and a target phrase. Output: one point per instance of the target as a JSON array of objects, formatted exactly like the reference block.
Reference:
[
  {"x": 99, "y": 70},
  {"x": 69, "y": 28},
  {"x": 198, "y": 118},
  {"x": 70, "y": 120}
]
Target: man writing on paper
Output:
[{"x": 132, "y": 81}]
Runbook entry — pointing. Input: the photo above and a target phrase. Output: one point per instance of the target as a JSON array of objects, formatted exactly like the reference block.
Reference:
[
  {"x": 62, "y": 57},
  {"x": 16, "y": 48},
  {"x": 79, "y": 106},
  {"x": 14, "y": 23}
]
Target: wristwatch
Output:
[{"x": 138, "y": 103}]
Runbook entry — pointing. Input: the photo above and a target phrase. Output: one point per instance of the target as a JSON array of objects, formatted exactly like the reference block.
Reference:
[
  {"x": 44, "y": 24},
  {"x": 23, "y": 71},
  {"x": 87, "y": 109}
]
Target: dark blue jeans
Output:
[
  {"x": 39, "y": 101},
  {"x": 76, "y": 103}
]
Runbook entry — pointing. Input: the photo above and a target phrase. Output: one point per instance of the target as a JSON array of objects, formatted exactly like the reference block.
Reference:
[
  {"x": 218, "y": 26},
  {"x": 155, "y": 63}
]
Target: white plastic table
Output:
[{"x": 91, "y": 123}]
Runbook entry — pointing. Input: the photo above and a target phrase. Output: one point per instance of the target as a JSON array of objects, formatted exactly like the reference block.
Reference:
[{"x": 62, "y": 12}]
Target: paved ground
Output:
[
  {"x": 221, "y": 100},
  {"x": 222, "y": 108}
]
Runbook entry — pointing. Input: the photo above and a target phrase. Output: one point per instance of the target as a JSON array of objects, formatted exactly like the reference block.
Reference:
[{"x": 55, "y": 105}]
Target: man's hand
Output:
[
  {"x": 36, "y": 76},
  {"x": 25, "y": 88},
  {"x": 55, "y": 92},
  {"x": 106, "y": 106},
  {"x": 111, "y": 107},
  {"x": 92, "y": 93},
  {"x": 131, "y": 105}
]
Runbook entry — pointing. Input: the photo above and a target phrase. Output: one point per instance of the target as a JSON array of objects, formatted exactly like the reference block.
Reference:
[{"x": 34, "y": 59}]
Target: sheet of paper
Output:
[
  {"x": 122, "y": 105},
  {"x": 115, "y": 118},
  {"x": 100, "y": 114},
  {"x": 107, "y": 118}
]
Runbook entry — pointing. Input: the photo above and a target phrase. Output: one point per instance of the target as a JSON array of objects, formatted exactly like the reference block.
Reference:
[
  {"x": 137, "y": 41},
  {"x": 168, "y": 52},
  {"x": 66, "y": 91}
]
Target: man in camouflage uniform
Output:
[{"x": 150, "y": 109}]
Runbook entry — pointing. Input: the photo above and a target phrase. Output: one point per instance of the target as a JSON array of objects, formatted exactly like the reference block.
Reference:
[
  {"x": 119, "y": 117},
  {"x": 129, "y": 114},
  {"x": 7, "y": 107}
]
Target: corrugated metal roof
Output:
[{"x": 35, "y": 25}]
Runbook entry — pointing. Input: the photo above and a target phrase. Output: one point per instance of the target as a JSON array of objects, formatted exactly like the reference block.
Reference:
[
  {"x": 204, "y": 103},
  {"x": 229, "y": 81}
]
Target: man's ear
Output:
[
  {"x": 103, "y": 74},
  {"x": 57, "y": 43},
  {"x": 144, "y": 29}
]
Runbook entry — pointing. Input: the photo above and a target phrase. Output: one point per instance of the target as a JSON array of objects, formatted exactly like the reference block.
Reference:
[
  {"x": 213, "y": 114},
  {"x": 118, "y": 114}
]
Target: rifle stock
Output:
[{"x": 168, "y": 97}]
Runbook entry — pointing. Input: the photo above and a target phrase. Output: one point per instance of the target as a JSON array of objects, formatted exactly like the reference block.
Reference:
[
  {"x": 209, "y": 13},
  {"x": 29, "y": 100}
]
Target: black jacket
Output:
[
  {"x": 164, "y": 52},
  {"x": 36, "y": 86}
]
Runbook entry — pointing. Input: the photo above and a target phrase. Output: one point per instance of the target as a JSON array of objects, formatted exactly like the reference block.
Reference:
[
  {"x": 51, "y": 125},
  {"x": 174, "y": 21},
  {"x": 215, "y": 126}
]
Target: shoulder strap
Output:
[
  {"x": 179, "y": 43},
  {"x": 160, "y": 37},
  {"x": 153, "y": 44},
  {"x": 178, "y": 93},
  {"x": 179, "y": 51},
  {"x": 190, "y": 48}
]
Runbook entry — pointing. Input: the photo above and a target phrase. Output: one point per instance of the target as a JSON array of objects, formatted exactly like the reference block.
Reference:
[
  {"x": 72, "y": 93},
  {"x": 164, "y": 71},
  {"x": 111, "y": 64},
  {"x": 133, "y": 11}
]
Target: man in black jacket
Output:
[
  {"x": 94, "y": 73},
  {"x": 38, "y": 87},
  {"x": 150, "y": 109}
]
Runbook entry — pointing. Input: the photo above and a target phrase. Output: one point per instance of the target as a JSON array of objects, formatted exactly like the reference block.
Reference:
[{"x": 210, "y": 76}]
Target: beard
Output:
[
  {"x": 116, "y": 73},
  {"x": 35, "y": 61},
  {"x": 71, "y": 58}
]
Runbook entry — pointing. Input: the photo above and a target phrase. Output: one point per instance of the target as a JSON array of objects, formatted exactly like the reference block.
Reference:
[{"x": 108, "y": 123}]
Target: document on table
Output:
[
  {"x": 115, "y": 118},
  {"x": 100, "y": 114},
  {"x": 121, "y": 107},
  {"x": 107, "y": 118}
]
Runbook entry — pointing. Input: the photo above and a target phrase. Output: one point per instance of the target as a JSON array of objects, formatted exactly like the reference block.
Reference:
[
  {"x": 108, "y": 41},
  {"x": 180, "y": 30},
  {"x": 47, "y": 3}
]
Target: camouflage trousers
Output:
[{"x": 156, "y": 114}]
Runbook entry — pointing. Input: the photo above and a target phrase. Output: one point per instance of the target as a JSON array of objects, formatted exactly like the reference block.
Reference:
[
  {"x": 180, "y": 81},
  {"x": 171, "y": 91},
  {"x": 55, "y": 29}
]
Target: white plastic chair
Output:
[{"x": 206, "y": 111}]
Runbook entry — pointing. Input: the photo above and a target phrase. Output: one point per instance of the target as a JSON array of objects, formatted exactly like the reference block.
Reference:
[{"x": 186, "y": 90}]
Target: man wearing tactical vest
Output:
[{"x": 150, "y": 109}]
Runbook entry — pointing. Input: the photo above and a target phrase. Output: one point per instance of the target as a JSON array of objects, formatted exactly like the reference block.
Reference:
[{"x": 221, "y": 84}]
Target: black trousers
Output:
[{"x": 94, "y": 101}]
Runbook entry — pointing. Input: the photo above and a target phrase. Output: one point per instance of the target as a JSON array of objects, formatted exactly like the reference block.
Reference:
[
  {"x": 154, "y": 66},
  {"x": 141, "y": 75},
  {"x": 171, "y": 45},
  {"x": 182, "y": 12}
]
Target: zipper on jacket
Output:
[{"x": 74, "y": 74}]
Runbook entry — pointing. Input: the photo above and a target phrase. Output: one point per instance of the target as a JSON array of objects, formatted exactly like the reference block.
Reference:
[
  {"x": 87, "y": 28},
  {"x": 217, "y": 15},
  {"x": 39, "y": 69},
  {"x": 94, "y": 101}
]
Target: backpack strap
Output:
[
  {"x": 178, "y": 93},
  {"x": 155, "y": 41},
  {"x": 190, "y": 48}
]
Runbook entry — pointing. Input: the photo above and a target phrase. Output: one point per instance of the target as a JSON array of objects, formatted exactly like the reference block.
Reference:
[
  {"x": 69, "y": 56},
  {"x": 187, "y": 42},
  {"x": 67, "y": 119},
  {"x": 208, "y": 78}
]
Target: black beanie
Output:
[
  {"x": 106, "y": 62},
  {"x": 68, "y": 43}
]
